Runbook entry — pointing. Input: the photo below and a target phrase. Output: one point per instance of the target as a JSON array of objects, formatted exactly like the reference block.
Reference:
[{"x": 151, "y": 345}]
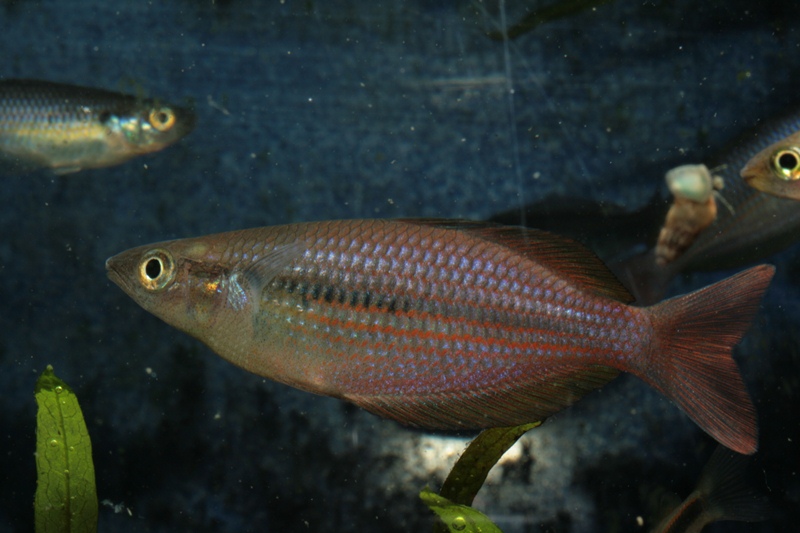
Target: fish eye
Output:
[
  {"x": 162, "y": 118},
  {"x": 156, "y": 270},
  {"x": 787, "y": 164}
]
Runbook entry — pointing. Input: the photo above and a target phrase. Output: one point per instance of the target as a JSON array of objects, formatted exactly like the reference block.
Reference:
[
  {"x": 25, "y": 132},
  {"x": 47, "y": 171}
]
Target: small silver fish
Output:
[{"x": 68, "y": 128}]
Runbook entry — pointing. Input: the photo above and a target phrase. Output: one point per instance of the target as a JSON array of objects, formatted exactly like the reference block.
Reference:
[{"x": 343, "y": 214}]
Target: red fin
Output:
[
  {"x": 512, "y": 405},
  {"x": 695, "y": 335},
  {"x": 565, "y": 256}
]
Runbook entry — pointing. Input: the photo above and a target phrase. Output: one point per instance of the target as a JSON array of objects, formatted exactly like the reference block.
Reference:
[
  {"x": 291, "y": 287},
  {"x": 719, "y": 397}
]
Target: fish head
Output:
[
  {"x": 154, "y": 125},
  {"x": 185, "y": 283},
  {"x": 776, "y": 169}
]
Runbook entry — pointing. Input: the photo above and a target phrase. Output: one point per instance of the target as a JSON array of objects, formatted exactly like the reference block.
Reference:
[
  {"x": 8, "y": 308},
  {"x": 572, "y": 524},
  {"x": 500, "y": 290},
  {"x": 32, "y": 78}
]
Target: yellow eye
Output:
[
  {"x": 787, "y": 163},
  {"x": 156, "y": 270},
  {"x": 162, "y": 118}
]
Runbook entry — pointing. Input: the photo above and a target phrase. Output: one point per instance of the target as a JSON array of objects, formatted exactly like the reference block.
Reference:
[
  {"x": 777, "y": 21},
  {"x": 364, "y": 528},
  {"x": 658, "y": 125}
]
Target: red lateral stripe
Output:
[
  {"x": 459, "y": 322},
  {"x": 401, "y": 333}
]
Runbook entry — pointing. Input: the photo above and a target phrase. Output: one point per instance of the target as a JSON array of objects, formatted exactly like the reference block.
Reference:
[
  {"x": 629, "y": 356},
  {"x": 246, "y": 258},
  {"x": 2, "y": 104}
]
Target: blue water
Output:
[{"x": 346, "y": 109}]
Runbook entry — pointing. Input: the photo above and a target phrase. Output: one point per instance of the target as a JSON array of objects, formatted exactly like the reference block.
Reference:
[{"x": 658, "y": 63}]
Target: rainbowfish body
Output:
[
  {"x": 446, "y": 324},
  {"x": 721, "y": 494},
  {"x": 776, "y": 169},
  {"x": 68, "y": 128}
]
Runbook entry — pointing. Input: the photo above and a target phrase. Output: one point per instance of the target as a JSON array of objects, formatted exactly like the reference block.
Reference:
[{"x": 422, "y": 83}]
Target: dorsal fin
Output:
[{"x": 565, "y": 256}]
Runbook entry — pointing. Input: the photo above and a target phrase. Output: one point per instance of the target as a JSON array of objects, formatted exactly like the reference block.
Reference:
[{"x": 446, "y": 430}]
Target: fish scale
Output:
[
  {"x": 446, "y": 324},
  {"x": 442, "y": 308}
]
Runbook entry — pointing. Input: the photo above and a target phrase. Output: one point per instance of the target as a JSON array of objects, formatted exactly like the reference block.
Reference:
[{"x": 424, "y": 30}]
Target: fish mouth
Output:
[
  {"x": 750, "y": 175},
  {"x": 114, "y": 275},
  {"x": 188, "y": 119},
  {"x": 747, "y": 172}
]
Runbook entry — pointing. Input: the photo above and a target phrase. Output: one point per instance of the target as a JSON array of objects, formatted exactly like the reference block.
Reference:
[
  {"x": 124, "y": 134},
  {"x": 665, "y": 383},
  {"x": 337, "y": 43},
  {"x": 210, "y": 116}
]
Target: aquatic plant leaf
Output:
[
  {"x": 471, "y": 469},
  {"x": 66, "y": 497},
  {"x": 458, "y": 518}
]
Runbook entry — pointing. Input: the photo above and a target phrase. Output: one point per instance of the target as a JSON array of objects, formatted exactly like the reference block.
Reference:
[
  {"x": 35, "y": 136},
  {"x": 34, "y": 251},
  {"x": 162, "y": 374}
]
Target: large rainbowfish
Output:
[{"x": 447, "y": 324}]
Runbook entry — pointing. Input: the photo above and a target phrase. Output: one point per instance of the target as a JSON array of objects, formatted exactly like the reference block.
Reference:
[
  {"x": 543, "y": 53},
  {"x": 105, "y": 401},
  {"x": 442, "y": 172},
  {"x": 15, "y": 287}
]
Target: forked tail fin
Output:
[{"x": 693, "y": 365}]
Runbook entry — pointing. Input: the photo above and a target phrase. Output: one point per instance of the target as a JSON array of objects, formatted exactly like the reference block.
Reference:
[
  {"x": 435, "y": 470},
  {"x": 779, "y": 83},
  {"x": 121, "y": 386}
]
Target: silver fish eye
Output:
[
  {"x": 787, "y": 163},
  {"x": 156, "y": 269}
]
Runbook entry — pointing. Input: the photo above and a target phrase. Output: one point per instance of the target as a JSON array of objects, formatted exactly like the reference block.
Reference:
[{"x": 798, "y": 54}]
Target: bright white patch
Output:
[
  {"x": 237, "y": 296},
  {"x": 436, "y": 453}
]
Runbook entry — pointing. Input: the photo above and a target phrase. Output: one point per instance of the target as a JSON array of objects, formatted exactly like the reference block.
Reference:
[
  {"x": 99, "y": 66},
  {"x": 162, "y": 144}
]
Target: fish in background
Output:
[
  {"x": 67, "y": 128},
  {"x": 610, "y": 230},
  {"x": 776, "y": 169},
  {"x": 752, "y": 226},
  {"x": 721, "y": 494},
  {"x": 446, "y": 324}
]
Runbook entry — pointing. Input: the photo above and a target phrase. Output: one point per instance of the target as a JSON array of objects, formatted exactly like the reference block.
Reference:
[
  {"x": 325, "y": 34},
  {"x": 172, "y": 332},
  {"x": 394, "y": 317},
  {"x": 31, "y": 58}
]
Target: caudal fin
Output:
[
  {"x": 726, "y": 494},
  {"x": 693, "y": 366}
]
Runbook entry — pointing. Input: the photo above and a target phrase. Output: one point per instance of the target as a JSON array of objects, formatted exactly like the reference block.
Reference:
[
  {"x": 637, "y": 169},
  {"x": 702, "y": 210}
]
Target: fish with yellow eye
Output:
[
  {"x": 446, "y": 324},
  {"x": 751, "y": 226},
  {"x": 67, "y": 128},
  {"x": 693, "y": 210},
  {"x": 776, "y": 169}
]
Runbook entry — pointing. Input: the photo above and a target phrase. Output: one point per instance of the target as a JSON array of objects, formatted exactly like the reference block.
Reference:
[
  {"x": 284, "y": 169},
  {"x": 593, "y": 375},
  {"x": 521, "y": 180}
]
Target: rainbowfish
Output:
[
  {"x": 68, "y": 128},
  {"x": 446, "y": 324},
  {"x": 776, "y": 169},
  {"x": 749, "y": 226},
  {"x": 721, "y": 494}
]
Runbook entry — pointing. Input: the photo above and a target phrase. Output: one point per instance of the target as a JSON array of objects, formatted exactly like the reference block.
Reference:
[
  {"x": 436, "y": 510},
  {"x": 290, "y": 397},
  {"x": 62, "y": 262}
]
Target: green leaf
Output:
[
  {"x": 458, "y": 518},
  {"x": 66, "y": 498},
  {"x": 471, "y": 469}
]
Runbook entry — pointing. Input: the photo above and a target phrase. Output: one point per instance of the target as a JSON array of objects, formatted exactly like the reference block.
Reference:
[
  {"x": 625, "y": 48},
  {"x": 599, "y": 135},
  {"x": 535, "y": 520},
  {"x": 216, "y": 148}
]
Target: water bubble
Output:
[{"x": 459, "y": 523}]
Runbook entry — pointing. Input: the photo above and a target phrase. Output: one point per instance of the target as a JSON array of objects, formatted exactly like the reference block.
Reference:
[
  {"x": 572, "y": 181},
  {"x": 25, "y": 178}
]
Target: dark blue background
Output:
[{"x": 318, "y": 110}]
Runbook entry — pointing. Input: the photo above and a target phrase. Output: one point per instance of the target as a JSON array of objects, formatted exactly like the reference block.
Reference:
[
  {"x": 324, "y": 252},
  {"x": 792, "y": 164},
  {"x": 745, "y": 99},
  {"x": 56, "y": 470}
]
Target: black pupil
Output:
[
  {"x": 161, "y": 117},
  {"x": 787, "y": 161},
  {"x": 153, "y": 268}
]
